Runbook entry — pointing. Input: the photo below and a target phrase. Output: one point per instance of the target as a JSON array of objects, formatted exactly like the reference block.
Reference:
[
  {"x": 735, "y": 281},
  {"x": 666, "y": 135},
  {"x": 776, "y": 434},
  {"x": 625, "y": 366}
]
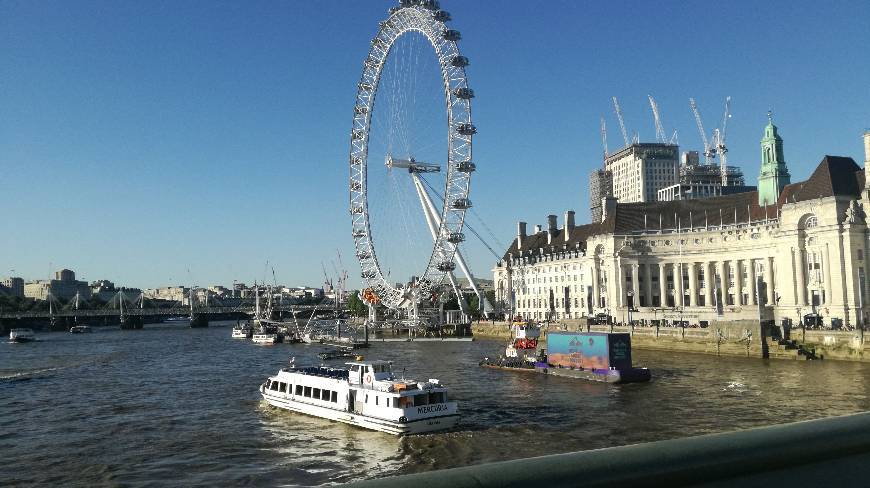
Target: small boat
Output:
[
  {"x": 366, "y": 394},
  {"x": 22, "y": 335},
  {"x": 177, "y": 319},
  {"x": 265, "y": 338},
  {"x": 80, "y": 329},
  {"x": 243, "y": 331},
  {"x": 338, "y": 354}
]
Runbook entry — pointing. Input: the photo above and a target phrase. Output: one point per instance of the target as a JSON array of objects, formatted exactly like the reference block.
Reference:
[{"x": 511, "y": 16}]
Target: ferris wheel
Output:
[{"x": 445, "y": 223}]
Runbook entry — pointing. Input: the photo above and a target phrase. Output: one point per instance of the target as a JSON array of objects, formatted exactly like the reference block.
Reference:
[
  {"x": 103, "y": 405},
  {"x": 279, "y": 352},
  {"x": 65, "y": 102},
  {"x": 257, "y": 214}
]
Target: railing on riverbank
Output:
[{"x": 811, "y": 453}]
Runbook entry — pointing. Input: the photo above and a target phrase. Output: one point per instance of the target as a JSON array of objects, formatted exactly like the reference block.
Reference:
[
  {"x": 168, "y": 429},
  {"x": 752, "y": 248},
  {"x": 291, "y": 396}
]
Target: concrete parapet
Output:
[{"x": 766, "y": 456}]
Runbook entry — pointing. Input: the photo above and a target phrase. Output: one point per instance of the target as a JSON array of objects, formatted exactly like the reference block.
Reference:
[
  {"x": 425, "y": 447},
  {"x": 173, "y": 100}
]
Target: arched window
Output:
[{"x": 811, "y": 222}]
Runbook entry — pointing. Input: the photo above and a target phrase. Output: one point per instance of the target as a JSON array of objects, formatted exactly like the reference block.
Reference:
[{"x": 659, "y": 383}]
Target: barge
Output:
[{"x": 593, "y": 356}]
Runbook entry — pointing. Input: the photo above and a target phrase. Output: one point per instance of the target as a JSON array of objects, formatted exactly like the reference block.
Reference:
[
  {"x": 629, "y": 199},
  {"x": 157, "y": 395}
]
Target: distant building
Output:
[
  {"x": 64, "y": 287},
  {"x": 219, "y": 291},
  {"x": 640, "y": 170},
  {"x": 13, "y": 286},
  {"x": 169, "y": 293},
  {"x": 104, "y": 290},
  {"x": 65, "y": 275},
  {"x": 695, "y": 180}
]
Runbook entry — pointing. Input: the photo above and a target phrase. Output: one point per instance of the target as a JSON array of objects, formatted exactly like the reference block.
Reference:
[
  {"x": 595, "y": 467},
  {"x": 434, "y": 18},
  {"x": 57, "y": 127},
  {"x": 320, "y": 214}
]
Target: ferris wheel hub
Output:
[{"x": 412, "y": 165}]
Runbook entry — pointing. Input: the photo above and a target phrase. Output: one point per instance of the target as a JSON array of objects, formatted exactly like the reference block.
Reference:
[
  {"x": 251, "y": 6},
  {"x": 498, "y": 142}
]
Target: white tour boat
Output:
[
  {"x": 366, "y": 394},
  {"x": 80, "y": 329},
  {"x": 265, "y": 338},
  {"x": 22, "y": 335}
]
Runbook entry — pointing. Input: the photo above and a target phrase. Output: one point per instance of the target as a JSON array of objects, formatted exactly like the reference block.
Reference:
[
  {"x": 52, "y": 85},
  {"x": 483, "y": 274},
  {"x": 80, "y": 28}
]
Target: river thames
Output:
[{"x": 170, "y": 406}]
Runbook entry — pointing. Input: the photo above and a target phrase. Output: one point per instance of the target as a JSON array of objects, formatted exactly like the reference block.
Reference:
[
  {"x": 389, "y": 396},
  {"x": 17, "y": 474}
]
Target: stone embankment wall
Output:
[{"x": 733, "y": 338}]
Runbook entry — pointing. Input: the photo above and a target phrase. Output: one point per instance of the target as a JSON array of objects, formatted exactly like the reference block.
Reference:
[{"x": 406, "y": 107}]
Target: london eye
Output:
[{"x": 413, "y": 47}]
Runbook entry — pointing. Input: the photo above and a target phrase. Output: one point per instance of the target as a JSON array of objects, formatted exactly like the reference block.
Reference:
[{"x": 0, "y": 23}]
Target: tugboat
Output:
[
  {"x": 366, "y": 394},
  {"x": 526, "y": 334},
  {"x": 22, "y": 335}
]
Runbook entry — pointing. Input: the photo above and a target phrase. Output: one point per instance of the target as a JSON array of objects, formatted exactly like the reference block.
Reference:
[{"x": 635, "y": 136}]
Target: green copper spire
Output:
[{"x": 774, "y": 174}]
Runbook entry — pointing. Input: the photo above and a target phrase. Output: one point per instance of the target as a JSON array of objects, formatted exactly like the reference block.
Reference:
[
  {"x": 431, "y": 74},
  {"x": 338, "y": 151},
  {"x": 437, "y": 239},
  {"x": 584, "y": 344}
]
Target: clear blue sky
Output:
[{"x": 140, "y": 140}]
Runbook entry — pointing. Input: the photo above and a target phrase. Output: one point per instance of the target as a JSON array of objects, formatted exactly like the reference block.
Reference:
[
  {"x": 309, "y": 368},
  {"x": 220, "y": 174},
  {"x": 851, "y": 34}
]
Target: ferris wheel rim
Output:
[{"x": 422, "y": 17}]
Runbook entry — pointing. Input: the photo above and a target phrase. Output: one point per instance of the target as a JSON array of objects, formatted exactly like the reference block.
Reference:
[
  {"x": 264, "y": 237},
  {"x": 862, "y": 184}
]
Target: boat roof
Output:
[{"x": 368, "y": 363}]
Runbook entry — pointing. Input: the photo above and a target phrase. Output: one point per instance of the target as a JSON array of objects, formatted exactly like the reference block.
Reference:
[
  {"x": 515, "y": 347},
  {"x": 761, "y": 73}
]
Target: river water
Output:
[{"x": 170, "y": 406}]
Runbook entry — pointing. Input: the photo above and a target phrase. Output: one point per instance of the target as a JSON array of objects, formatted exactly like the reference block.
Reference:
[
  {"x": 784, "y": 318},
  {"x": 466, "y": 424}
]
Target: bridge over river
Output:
[{"x": 158, "y": 312}]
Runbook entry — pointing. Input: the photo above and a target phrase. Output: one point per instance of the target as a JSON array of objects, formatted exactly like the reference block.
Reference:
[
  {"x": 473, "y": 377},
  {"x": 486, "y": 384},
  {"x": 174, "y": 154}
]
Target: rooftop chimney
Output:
[
  {"x": 521, "y": 234},
  {"x": 551, "y": 228},
  {"x": 569, "y": 224}
]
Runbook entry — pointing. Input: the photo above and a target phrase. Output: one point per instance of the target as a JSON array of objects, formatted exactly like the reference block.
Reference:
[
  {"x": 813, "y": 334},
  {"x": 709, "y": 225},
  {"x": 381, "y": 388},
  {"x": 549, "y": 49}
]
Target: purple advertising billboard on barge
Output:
[{"x": 589, "y": 350}]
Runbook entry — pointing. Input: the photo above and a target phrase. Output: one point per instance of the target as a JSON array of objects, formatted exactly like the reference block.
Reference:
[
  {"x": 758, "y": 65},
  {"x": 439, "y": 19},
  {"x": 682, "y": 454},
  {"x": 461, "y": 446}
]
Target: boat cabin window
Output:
[
  {"x": 376, "y": 399},
  {"x": 324, "y": 395},
  {"x": 282, "y": 387},
  {"x": 307, "y": 391},
  {"x": 428, "y": 398},
  {"x": 316, "y": 393},
  {"x": 334, "y": 398},
  {"x": 299, "y": 390},
  {"x": 274, "y": 386},
  {"x": 268, "y": 383}
]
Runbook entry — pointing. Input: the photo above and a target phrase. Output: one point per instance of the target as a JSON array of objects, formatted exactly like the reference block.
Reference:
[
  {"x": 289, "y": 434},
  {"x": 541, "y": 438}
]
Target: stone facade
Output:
[{"x": 728, "y": 258}]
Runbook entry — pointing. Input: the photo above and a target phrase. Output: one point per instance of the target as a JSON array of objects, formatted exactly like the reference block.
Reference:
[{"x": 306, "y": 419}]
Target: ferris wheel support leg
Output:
[{"x": 434, "y": 222}]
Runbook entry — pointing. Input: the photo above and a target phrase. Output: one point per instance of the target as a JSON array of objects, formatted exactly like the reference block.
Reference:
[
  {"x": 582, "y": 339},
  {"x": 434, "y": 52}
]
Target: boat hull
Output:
[
  {"x": 429, "y": 424},
  {"x": 633, "y": 375},
  {"x": 198, "y": 321}
]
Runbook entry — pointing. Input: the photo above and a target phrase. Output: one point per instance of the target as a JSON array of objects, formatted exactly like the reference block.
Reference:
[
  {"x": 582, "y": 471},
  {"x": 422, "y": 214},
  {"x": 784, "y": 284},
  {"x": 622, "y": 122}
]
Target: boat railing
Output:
[{"x": 323, "y": 372}]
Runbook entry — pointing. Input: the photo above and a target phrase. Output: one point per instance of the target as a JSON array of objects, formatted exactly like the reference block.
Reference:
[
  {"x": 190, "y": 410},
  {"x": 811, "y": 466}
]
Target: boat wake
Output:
[{"x": 27, "y": 375}]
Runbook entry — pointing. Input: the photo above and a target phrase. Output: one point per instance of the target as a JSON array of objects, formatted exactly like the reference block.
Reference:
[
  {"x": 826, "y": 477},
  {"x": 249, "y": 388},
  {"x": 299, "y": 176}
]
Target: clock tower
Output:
[{"x": 774, "y": 173}]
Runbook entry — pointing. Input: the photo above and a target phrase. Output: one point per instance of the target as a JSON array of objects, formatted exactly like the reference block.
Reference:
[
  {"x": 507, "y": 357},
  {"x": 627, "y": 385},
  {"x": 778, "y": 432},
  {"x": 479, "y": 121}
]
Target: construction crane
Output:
[
  {"x": 604, "y": 137},
  {"x": 342, "y": 280},
  {"x": 660, "y": 131},
  {"x": 327, "y": 281},
  {"x": 709, "y": 151},
  {"x": 618, "y": 110},
  {"x": 721, "y": 148}
]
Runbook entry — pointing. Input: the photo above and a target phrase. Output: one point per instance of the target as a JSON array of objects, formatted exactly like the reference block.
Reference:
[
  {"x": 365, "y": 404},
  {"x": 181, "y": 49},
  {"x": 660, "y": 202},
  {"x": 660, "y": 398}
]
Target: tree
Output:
[{"x": 356, "y": 305}]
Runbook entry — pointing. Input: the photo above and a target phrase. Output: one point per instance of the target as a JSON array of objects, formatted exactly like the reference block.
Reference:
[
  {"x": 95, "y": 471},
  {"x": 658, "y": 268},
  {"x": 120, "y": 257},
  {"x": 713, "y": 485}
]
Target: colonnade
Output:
[{"x": 688, "y": 281}]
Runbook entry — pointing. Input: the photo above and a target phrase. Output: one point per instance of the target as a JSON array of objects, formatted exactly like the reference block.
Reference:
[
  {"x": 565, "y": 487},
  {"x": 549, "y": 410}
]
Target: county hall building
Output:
[{"x": 797, "y": 249}]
